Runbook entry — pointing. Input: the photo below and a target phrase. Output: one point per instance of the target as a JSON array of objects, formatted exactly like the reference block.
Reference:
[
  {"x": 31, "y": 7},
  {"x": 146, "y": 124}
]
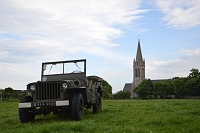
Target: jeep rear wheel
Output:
[
  {"x": 24, "y": 113},
  {"x": 77, "y": 107},
  {"x": 97, "y": 107}
]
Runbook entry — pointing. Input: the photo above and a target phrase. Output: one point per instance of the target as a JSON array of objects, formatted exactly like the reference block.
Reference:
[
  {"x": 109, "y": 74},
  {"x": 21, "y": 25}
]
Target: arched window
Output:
[
  {"x": 135, "y": 72},
  {"x": 138, "y": 72}
]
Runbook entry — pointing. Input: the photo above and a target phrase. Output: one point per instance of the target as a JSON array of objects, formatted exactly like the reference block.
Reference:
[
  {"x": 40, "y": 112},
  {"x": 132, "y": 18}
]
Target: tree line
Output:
[
  {"x": 107, "y": 92},
  {"x": 176, "y": 87},
  {"x": 9, "y": 93}
]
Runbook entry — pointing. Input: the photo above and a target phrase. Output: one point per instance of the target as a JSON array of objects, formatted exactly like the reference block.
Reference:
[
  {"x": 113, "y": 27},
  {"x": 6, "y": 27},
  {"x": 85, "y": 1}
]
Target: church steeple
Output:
[
  {"x": 139, "y": 53},
  {"x": 138, "y": 69}
]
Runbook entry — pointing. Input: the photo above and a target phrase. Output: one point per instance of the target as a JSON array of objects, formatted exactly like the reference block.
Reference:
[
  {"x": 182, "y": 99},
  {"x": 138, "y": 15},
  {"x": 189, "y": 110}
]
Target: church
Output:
[{"x": 138, "y": 72}]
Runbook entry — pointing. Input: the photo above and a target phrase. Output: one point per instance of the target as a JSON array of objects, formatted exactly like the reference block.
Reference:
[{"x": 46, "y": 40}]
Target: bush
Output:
[
  {"x": 144, "y": 89},
  {"x": 107, "y": 90},
  {"x": 107, "y": 95},
  {"x": 122, "y": 95}
]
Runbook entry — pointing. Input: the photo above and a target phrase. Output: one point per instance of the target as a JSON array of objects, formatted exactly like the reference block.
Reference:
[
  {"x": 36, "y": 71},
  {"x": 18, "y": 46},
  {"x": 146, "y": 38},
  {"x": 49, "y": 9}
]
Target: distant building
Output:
[
  {"x": 138, "y": 69},
  {"x": 127, "y": 87},
  {"x": 20, "y": 91},
  {"x": 138, "y": 72}
]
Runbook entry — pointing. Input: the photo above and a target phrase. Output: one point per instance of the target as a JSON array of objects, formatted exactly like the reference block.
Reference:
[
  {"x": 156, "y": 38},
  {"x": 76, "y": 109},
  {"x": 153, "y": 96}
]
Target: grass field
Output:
[{"x": 118, "y": 116}]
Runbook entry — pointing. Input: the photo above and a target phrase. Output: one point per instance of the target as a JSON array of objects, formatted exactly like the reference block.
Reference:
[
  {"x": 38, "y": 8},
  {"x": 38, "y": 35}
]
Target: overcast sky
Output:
[{"x": 105, "y": 32}]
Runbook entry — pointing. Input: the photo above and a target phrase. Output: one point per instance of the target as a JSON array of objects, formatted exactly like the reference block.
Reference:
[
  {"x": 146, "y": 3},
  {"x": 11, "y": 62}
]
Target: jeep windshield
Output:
[{"x": 63, "y": 67}]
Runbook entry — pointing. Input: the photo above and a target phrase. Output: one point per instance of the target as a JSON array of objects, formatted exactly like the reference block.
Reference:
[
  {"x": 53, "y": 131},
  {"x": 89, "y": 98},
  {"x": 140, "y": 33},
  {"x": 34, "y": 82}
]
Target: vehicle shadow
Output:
[{"x": 63, "y": 116}]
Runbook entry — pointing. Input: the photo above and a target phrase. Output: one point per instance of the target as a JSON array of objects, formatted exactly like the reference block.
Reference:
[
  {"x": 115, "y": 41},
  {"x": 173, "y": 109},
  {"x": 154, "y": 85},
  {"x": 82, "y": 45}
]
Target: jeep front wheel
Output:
[
  {"x": 77, "y": 107},
  {"x": 24, "y": 113}
]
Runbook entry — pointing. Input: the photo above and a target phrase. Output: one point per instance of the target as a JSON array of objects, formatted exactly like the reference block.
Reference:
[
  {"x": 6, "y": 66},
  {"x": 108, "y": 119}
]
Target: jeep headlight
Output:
[
  {"x": 32, "y": 87},
  {"x": 64, "y": 85}
]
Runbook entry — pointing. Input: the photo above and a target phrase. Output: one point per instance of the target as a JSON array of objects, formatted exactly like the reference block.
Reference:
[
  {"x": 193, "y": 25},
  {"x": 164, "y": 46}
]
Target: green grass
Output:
[{"x": 118, "y": 116}]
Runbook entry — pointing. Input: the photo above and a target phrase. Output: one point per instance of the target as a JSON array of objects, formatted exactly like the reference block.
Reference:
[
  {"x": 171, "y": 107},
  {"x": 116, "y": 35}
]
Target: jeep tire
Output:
[
  {"x": 97, "y": 107},
  {"x": 77, "y": 107},
  {"x": 24, "y": 113}
]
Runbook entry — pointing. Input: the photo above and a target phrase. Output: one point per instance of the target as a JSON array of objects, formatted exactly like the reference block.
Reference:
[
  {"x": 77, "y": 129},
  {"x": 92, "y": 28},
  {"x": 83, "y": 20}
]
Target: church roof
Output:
[
  {"x": 127, "y": 87},
  {"x": 158, "y": 80},
  {"x": 139, "y": 52}
]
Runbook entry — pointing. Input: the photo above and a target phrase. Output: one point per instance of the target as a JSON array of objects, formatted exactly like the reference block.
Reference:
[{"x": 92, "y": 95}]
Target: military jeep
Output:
[{"x": 64, "y": 87}]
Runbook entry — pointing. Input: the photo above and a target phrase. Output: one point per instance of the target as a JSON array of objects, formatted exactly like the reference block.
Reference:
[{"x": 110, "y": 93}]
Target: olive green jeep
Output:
[{"x": 64, "y": 87}]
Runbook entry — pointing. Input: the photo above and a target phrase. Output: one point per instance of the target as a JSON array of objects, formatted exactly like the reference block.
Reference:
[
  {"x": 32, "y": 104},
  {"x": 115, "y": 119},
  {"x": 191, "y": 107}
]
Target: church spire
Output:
[
  {"x": 138, "y": 69},
  {"x": 139, "y": 52}
]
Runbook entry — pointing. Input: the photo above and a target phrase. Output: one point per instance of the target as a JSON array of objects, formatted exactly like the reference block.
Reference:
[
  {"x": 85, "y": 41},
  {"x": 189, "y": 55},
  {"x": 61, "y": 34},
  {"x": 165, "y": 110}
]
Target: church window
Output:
[
  {"x": 135, "y": 72},
  {"x": 138, "y": 72}
]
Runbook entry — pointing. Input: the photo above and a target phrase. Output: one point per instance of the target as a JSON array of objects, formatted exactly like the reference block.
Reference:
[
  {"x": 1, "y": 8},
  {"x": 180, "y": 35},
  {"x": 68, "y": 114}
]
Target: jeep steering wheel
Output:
[{"x": 76, "y": 71}]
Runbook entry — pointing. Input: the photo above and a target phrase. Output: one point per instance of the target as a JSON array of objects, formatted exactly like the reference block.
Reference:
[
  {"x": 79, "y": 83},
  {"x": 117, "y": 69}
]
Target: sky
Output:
[{"x": 104, "y": 32}]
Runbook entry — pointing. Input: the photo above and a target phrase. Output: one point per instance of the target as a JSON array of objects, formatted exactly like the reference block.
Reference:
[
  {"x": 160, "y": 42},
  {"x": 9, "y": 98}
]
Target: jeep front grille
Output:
[{"x": 47, "y": 91}]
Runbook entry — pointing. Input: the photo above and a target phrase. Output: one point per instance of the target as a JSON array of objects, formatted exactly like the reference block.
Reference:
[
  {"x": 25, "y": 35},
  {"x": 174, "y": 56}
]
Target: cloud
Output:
[
  {"x": 155, "y": 68},
  {"x": 17, "y": 75},
  {"x": 181, "y": 14},
  {"x": 179, "y": 67},
  {"x": 35, "y": 31},
  {"x": 195, "y": 53},
  {"x": 57, "y": 27}
]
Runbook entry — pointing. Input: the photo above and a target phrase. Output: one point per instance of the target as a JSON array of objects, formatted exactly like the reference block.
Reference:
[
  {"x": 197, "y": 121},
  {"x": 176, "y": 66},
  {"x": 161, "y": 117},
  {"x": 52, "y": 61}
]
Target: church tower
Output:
[{"x": 138, "y": 68}]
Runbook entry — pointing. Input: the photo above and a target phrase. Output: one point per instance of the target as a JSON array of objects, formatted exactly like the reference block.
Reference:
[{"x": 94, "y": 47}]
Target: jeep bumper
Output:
[{"x": 44, "y": 104}]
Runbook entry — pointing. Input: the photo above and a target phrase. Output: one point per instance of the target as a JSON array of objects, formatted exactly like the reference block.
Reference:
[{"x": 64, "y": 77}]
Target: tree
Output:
[
  {"x": 106, "y": 94},
  {"x": 193, "y": 86},
  {"x": 180, "y": 87},
  {"x": 193, "y": 82},
  {"x": 194, "y": 73},
  {"x": 8, "y": 92},
  {"x": 162, "y": 89},
  {"x": 169, "y": 87},
  {"x": 144, "y": 89},
  {"x": 158, "y": 89},
  {"x": 107, "y": 90},
  {"x": 122, "y": 95},
  {"x": 1, "y": 94}
]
